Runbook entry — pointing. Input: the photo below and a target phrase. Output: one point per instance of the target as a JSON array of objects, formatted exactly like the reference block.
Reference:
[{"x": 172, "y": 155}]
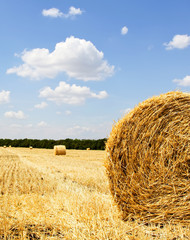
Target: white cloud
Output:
[
  {"x": 73, "y": 12},
  {"x": 97, "y": 130},
  {"x": 124, "y": 30},
  {"x": 183, "y": 82},
  {"x": 41, "y": 105},
  {"x": 4, "y": 96},
  {"x": 19, "y": 126},
  {"x": 68, "y": 112},
  {"x": 17, "y": 115},
  {"x": 127, "y": 110},
  {"x": 54, "y": 12},
  {"x": 42, "y": 124},
  {"x": 15, "y": 126},
  {"x": 30, "y": 125},
  {"x": 178, "y": 41},
  {"x": 77, "y": 130},
  {"x": 70, "y": 94},
  {"x": 76, "y": 57}
]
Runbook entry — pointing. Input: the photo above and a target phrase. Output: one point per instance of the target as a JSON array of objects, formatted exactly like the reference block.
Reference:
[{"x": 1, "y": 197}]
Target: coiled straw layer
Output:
[{"x": 148, "y": 160}]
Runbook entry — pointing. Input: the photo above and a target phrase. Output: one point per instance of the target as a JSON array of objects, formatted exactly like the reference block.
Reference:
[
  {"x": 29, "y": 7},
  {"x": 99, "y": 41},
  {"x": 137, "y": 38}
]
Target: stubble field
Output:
[{"x": 43, "y": 196}]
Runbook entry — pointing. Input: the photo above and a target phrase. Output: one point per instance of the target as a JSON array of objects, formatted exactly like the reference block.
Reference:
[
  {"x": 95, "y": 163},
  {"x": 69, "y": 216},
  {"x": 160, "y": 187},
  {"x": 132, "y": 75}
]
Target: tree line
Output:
[{"x": 81, "y": 144}]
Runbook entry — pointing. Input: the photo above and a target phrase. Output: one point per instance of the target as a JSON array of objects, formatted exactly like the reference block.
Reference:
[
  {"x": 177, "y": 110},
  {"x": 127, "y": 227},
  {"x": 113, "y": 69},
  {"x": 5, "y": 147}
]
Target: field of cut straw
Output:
[{"x": 47, "y": 196}]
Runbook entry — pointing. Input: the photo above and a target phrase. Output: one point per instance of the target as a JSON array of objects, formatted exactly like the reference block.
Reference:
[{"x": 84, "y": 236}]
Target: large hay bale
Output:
[
  {"x": 60, "y": 150},
  {"x": 148, "y": 160}
]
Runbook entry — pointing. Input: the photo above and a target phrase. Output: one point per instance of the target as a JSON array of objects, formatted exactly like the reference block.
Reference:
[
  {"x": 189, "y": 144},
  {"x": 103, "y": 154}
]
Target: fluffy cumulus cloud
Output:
[
  {"x": 127, "y": 110},
  {"x": 52, "y": 12},
  {"x": 15, "y": 126},
  {"x": 55, "y": 13},
  {"x": 178, "y": 41},
  {"x": 76, "y": 57},
  {"x": 73, "y": 12},
  {"x": 67, "y": 112},
  {"x": 124, "y": 30},
  {"x": 41, "y": 105},
  {"x": 42, "y": 124},
  {"x": 185, "y": 82},
  {"x": 70, "y": 94},
  {"x": 78, "y": 130},
  {"x": 4, "y": 96},
  {"x": 17, "y": 115}
]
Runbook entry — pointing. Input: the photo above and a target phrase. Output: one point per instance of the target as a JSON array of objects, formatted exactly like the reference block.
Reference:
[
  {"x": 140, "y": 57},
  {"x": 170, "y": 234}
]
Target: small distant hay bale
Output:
[
  {"x": 59, "y": 150},
  {"x": 31, "y": 147},
  {"x": 4, "y": 146},
  {"x": 148, "y": 160},
  {"x": 88, "y": 149},
  {"x": 10, "y": 146}
]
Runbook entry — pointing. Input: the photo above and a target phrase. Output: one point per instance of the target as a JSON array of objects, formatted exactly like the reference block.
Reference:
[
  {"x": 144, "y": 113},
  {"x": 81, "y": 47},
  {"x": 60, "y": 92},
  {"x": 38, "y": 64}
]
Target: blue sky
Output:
[{"x": 69, "y": 69}]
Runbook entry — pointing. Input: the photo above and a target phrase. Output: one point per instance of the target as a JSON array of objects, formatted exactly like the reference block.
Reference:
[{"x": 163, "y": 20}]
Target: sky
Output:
[{"x": 71, "y": 69}]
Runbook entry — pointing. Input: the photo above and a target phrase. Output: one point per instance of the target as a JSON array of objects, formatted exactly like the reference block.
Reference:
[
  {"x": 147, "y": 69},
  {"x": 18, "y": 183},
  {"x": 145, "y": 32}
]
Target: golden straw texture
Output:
[
  {"x": 60, "y": 150},
  {"x": 148, "y": 160}
]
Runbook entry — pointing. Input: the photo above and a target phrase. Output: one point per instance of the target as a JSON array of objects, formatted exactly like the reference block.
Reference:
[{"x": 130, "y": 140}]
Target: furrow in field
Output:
[
  {"x": 18, "y": 177},
  {"x": 8, "y": 177}
]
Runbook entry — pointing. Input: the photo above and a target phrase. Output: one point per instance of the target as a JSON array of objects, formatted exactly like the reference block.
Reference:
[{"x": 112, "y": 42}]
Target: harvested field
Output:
[{"x": 44, "y": 196}]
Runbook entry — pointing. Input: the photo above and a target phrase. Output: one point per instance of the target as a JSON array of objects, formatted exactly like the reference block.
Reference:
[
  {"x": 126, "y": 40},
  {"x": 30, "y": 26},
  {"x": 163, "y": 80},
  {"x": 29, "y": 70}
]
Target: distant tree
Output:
[{"x": 50, "y": 143}]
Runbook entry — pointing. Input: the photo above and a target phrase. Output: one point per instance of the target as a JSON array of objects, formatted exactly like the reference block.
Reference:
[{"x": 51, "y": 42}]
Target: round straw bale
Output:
[
  {"x": 31, "y": 147},
  {"x": 148, "y": 160},
  {"x": 88, "y": 149},
  {"x": 4, "y": 146},
  {"x": 60, "y": 150}
]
